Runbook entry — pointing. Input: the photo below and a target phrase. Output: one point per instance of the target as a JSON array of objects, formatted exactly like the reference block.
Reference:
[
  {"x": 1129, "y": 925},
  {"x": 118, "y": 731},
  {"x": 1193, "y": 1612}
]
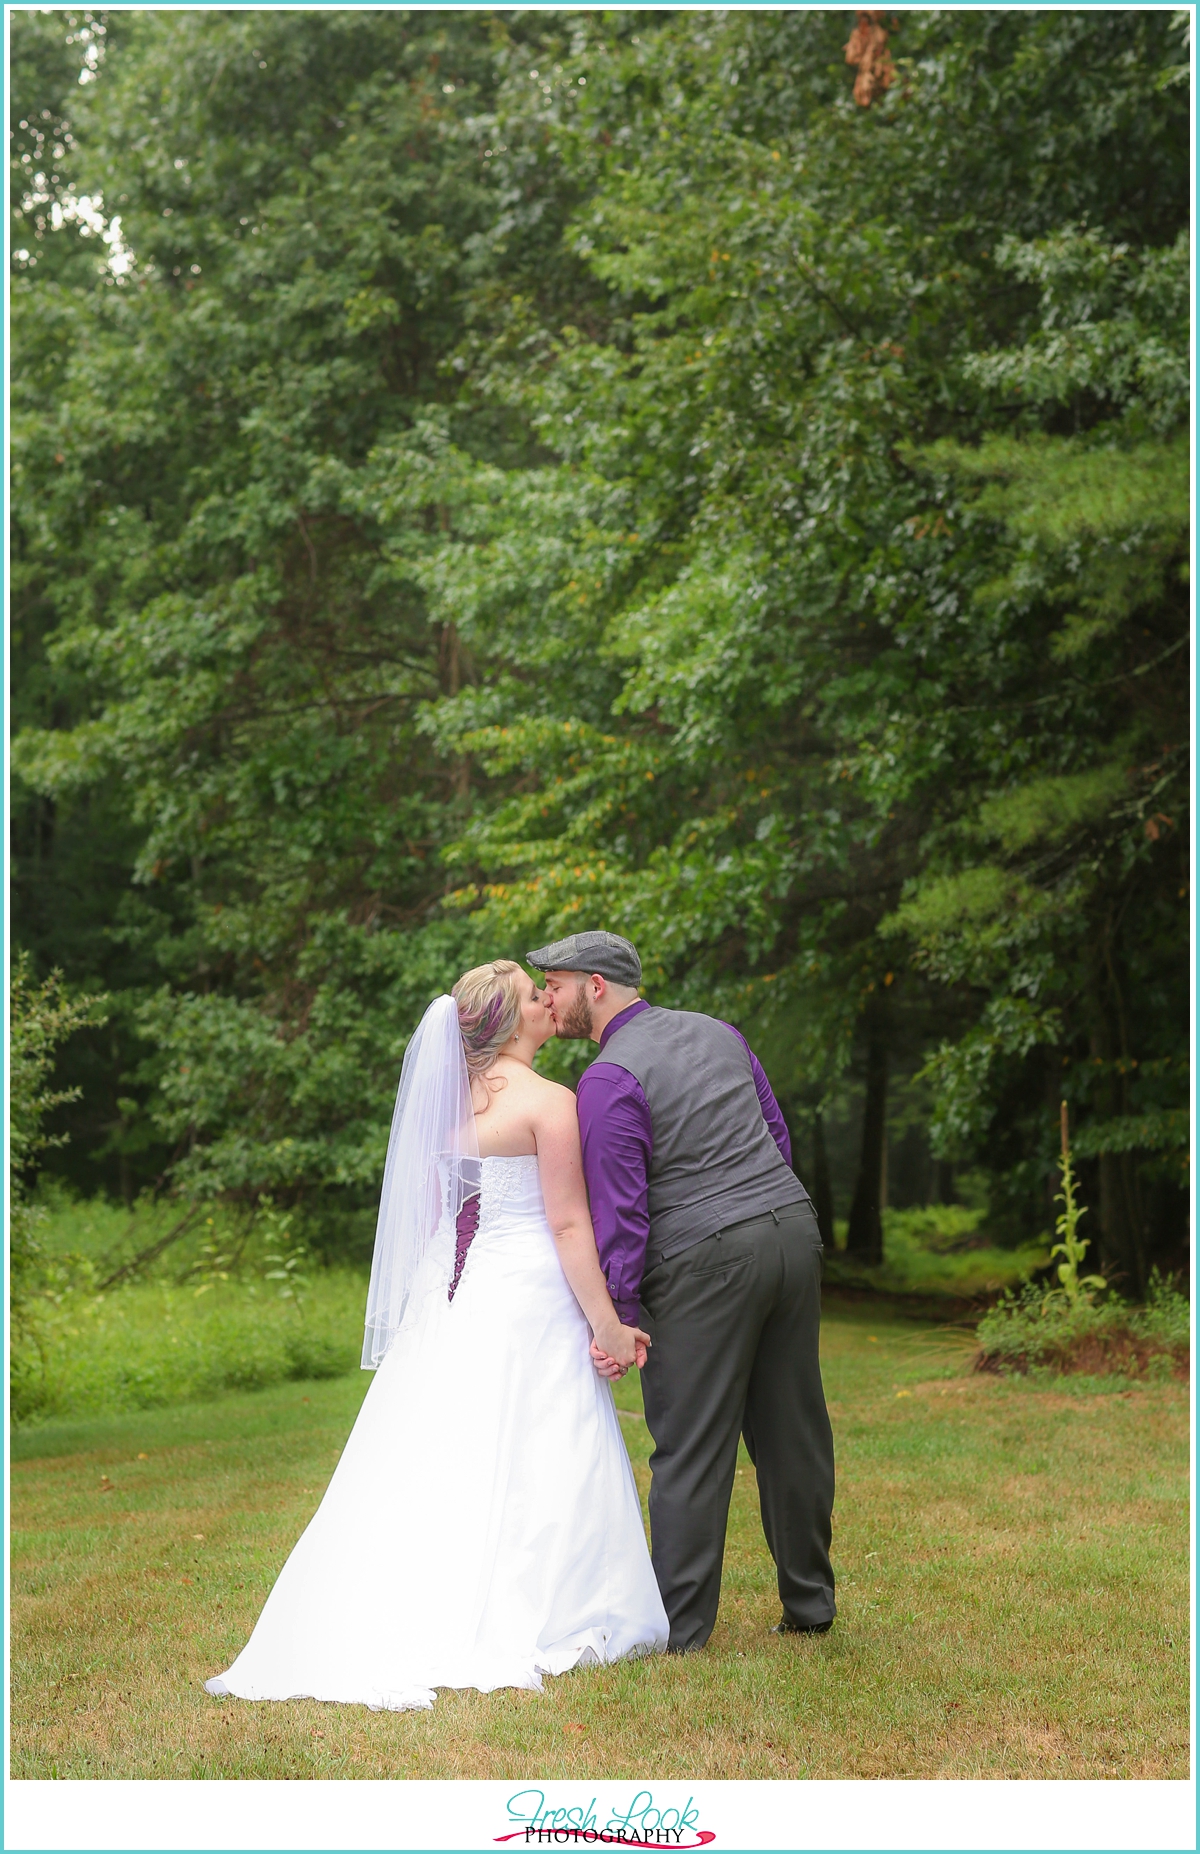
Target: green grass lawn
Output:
[{"x": 1013, "y": 1596}]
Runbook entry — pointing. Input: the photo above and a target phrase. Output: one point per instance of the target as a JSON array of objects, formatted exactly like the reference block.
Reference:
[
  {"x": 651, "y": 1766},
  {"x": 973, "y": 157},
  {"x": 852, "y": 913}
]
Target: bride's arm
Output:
[{"x": 560, "y": 1165}]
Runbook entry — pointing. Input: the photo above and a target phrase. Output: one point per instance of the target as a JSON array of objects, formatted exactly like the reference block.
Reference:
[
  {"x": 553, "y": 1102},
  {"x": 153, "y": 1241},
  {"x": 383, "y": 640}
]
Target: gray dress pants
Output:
[{"x": 735, "y": 1322}]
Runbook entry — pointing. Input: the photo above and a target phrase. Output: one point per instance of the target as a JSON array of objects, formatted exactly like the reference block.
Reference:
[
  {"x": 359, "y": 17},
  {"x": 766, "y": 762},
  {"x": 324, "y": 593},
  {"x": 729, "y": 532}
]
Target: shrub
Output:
[
  {"x": 202, "y": 1300},
  {"x": 151, "y": 1343},
  {"x": 41, "y": 1016},
  {"x": 1063, "y": 1327},
  {"x": 1040, "y": 1329}
]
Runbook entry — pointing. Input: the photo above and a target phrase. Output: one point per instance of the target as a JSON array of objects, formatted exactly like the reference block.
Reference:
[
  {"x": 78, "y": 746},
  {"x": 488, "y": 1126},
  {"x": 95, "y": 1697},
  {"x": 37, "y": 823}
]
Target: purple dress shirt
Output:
[{"x": 617, "y": 1138}]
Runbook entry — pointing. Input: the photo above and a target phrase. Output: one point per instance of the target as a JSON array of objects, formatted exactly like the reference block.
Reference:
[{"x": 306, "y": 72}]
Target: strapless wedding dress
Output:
[{"x": 482, "y": 1527}]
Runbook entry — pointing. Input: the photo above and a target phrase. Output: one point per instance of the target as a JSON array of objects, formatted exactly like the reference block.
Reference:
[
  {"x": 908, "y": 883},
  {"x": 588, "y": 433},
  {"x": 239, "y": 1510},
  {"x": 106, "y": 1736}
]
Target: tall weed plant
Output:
[
  {"x": 1065, "y": 1326},
  {"x": 1076, "y": 1289}
]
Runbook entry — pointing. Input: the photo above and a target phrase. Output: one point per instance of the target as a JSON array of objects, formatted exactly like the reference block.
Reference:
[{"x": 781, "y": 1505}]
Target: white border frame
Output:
[{"x": 948, "y": 1814}]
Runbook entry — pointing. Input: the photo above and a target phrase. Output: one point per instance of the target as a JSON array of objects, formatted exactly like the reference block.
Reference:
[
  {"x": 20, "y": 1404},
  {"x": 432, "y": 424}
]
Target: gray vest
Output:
[{"x": 714, "y": 1160}]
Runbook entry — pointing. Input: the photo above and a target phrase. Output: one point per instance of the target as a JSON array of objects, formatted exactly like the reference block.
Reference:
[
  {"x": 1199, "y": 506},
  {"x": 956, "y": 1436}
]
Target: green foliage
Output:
[
  {"x": 1048, "y": 810},
  {"x": 941, "y": 1252},
  {"x": 1033, "y": 1330},
  {"x": 41, "y": 1018},
  {"x": 1064, "y": 1327},
  {"x": 507, "y": 474},
  {"x": 288, "y": 1257},
  {"x": 228, "y": 1305},
  {"x": 227, "y": 644},
  {"x": 152, "y": 1344},
  {"x": 1113, "y": 320}
]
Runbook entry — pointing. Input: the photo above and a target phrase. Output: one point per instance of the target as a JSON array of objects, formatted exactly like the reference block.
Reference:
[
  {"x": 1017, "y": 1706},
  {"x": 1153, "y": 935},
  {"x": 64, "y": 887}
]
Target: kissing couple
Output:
[{"x": 482, "y": 1527}]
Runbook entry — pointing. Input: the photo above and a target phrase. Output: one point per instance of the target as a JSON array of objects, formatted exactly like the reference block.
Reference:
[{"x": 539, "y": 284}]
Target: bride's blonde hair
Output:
[{"x": 489, "y": 1010}]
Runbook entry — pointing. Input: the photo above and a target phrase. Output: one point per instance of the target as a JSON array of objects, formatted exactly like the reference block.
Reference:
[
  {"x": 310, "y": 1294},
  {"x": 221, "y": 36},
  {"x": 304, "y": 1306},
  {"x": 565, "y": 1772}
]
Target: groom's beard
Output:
[{"x": 577, "y": 1020}]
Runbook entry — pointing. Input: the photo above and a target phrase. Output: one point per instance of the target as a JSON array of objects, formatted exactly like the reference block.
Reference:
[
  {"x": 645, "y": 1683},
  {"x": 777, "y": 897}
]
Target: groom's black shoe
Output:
[{"x": 784, "y": 1627}]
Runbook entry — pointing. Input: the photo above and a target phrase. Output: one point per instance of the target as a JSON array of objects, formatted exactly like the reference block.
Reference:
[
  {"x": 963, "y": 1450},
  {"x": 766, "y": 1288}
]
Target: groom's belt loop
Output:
[{"x": 775, "y": 1216}]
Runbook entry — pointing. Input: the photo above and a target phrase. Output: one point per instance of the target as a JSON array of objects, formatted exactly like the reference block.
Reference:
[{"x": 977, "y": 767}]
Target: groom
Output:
[{"x": 708, "y": 1240}]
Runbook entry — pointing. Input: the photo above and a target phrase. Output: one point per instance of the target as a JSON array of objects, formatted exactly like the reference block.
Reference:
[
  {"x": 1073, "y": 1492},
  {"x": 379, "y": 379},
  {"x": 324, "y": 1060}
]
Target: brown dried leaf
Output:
[{"x": 867, "y": 47}]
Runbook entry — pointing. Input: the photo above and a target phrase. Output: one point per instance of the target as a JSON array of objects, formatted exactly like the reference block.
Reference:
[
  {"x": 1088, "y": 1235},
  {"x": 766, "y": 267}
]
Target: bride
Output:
[{"x": 482, "y": 1527}]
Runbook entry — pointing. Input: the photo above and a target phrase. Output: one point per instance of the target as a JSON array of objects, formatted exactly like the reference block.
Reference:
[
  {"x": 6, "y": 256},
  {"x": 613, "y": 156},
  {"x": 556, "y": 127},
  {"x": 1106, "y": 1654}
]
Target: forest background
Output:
[{"x": 478, "y": 475}]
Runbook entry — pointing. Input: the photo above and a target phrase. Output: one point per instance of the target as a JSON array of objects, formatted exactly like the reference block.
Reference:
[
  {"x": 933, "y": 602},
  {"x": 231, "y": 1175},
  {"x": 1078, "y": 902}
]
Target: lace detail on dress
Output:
[
  {"x": 507, "y": 1177},
  {"x": 503, "y": 1180}
]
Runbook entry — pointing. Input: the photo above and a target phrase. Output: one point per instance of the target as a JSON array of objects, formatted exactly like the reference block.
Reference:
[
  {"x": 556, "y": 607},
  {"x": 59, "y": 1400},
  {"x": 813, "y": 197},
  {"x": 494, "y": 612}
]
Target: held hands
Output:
[{"x": 617, "y": 1347}]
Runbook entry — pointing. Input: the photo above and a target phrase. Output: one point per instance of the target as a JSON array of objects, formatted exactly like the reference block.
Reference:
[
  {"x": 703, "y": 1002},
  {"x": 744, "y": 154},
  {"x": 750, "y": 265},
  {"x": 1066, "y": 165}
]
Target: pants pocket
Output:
[{"x": 726, "y": 1266}]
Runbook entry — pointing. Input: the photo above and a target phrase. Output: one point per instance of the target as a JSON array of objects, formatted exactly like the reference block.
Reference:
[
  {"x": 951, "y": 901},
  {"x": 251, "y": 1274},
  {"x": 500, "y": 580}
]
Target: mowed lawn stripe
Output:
[{"x": 1013, "y": 1596}]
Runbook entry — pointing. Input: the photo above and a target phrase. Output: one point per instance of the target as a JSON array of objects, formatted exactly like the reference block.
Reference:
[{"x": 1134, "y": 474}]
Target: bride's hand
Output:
[
  {"x": 609, "y": 1368},
  {"x": 620, "y": 1346},
  {"x": 606, "y": 1367}
]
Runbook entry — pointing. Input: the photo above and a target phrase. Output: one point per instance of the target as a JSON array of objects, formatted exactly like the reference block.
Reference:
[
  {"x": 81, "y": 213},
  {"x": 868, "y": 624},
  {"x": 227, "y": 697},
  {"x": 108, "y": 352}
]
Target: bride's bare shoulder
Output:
[
  {"x": 537, "y": 1093},
  {"x": 552, "y": 1097}
]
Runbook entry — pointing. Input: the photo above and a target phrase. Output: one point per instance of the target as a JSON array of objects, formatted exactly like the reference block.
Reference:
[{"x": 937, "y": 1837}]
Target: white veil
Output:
[{"x": 432, "y": 1165}]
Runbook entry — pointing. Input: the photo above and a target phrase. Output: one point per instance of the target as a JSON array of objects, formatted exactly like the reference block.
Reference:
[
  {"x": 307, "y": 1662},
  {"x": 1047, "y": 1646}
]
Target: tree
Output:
[
  {"x": 829, "y": 656},
  {"x": 41, "y": 1017},
  {"x": 611, "y": 473},
  {"x": 231, "y": 658}
]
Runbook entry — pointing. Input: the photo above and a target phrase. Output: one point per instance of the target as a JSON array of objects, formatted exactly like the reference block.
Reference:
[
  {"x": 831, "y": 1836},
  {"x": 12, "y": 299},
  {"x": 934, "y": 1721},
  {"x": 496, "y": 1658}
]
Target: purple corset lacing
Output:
[{"x": 466, "y": 1224}]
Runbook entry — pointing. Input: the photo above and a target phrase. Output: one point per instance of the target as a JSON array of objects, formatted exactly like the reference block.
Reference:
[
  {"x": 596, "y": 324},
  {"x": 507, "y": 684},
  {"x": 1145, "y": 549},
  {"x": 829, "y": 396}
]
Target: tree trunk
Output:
[
  {"x": 822, "y": 1189},
  {"x": 942, "y": 1191},
  {"x": 1120, "y": 1238},
  {"x": 865, "y": 1236},
  {"x": 453, "y": 680},
  {"x": 1120, "y": 1241}
]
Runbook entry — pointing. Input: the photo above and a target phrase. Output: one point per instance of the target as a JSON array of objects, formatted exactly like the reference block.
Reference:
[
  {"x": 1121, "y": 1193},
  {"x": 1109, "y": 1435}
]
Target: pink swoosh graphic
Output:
[{"x": 704, "y": 1836}]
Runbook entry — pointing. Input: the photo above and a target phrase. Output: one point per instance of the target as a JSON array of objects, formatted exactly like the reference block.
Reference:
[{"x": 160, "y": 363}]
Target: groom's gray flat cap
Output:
[{"x": 605, "y": 953}]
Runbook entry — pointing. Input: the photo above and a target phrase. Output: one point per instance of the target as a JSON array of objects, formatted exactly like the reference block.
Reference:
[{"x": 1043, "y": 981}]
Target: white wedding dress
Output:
[{"x": 482, "y": 1527}]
